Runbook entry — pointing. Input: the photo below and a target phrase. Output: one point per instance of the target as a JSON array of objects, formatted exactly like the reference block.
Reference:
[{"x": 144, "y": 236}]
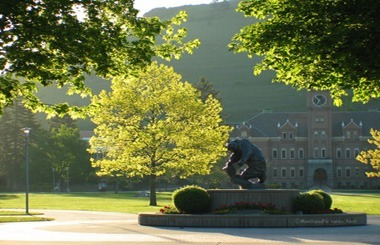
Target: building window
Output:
[
  {"x": 283, "y": 173},
  {"x": 356, "y": 152},
  {"x": 300, "y": 172},
  {"x": 339, "y": 173},
  {"x": 348, "y": 172},
  {"x": 355, "y": 136},
  {"x": 357, "y": 172},
  {"x": 292, "y": 172},
  {"x": 348, "y": 134},
  {"x": 300, "y": 153},
  {"x": 274, "y": 153},
  {"x": 290, "y": 135},
  {"x": 323, "y": 152},
  {"x": 244, "y": 134},
  {"x": 323, "y": 135},
  {"x": 284, "y": 135},
  {"x": 319, "y": 119},
  {"x": 315, "y": 134},
  {"x": 348, "y": 153},
  {"x": 283, "y": 153},
  {"x": 292, "y": 153},
  {"x": 338, "y": 153},
  {"x": 275, "y": 173},
  {"x": 316, "y": 152}
]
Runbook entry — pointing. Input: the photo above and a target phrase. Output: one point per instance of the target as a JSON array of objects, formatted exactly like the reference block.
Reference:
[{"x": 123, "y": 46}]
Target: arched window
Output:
[
  {"x": 274, "y": 153},
  {"x": 323, "y": 134},
  {"x": 323, "y": 152},
  {"x": 301, "y": 153},
  {"x": 244, "y": 134},
  {"x": 338, "y": 153}
]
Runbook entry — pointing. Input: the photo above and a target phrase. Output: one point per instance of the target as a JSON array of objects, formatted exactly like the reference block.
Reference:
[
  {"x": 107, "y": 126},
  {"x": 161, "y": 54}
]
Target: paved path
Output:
[{"x": 115, "y": 228}]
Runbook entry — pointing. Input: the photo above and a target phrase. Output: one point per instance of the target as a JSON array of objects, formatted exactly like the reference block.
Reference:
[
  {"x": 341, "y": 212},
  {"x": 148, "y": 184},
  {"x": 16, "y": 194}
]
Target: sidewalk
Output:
[{"x": 116, "y": 228}]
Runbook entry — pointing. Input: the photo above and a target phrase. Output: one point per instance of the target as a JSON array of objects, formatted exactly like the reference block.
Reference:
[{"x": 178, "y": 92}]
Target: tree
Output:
[
  {"x": 206, "y": 88},
  {"x": 56, "y": 154},
  {"x": 67, "y": 155},
  {"x": 57, "y": 42},
  {"x": 12, "y": 144},
  {"x": 317, "y": 44},
  {"x": 372, "y": 157},
  {"x": 154, "y": 125}
]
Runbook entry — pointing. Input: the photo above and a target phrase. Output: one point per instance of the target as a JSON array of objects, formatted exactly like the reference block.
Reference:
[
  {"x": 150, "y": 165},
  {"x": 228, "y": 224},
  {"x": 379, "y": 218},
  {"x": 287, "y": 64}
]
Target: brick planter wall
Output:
[
  {"x": 280, "y": 198},
  {"x": 245, "y": 221}
]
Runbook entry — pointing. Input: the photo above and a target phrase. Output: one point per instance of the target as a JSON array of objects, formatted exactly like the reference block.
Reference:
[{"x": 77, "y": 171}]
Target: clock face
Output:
[{"x": 319, "y": 100}]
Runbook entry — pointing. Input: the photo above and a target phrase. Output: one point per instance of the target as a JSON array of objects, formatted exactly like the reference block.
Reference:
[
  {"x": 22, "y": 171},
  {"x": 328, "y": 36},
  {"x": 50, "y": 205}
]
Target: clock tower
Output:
[{"x": 320, "y": 164}]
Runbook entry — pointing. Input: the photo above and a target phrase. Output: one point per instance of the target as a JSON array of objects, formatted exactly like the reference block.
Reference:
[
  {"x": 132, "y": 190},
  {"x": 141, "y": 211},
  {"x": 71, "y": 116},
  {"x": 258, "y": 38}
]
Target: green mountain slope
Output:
[{"x": 243, "y": 94}]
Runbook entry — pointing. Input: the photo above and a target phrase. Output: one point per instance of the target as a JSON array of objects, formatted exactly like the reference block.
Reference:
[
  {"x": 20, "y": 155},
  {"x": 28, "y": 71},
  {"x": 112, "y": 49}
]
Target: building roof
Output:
[{"x": 266, "y": 124}]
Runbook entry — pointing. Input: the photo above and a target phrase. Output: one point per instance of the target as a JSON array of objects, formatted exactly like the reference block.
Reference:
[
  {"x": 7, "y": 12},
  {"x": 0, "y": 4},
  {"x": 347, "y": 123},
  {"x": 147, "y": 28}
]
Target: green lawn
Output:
[
  {"x": 19, "y": 216},
  {"x": 109, "y": 202},
  {"x": 367, "y": 202}
]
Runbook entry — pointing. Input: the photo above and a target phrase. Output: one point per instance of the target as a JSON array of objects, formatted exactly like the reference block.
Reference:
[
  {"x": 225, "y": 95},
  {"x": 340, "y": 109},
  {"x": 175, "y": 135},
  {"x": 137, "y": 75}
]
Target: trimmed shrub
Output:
[
  {"x": 192, "y": 200},
  {"x": 326, "y": 198},
  {"x": 309, "y": 203}
]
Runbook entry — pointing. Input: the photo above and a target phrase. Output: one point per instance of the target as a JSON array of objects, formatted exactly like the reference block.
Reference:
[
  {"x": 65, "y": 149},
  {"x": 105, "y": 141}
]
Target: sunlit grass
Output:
[
  {"x": 357, "y": 202},
  {"x": 130, "y": 202},
  {"x": 109, "y": 202},
  {"x": 17, "y": 216}
]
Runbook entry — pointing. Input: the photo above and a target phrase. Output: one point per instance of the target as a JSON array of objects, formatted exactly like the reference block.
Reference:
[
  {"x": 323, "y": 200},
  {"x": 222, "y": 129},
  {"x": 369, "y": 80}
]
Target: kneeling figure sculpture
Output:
[{"x": 244, "y": 152}]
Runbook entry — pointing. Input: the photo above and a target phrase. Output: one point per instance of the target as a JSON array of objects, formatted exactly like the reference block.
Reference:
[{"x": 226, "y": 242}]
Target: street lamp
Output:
[{"x": 26, "y": 131}]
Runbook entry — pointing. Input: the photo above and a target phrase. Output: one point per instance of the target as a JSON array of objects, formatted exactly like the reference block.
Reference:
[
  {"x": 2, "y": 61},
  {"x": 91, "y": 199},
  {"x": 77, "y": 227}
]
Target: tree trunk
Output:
[
  {"x": 116, "y": 183},
  {"x": 153, "y": 187}
]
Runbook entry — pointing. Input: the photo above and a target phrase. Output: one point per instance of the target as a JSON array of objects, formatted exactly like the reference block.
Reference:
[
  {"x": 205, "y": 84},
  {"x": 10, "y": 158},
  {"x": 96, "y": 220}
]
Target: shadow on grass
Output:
[{"x": 8, "y": 196}]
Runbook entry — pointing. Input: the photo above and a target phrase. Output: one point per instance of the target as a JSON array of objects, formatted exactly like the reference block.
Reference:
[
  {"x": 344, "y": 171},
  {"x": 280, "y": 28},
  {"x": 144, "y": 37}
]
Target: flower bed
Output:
[{"x": 246, "y": 213}]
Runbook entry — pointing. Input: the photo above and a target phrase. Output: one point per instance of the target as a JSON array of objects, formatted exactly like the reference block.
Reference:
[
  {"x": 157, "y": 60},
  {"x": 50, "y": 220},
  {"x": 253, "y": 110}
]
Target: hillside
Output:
[{"x": 243, "y": 94}]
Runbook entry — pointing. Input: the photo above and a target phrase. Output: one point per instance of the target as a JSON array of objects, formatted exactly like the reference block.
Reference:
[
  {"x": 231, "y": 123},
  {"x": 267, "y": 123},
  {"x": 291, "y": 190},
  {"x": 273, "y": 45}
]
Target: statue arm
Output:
[{"x": 246, "y": 153}]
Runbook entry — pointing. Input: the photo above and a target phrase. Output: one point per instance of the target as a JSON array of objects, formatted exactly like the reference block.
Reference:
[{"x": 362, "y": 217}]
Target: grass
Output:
[
  {"x": 129, "y": 202},
  {"x": 357, "y": 202},
  {"x": 17, "y": 216},
  {"x": 109, "y": 202}
]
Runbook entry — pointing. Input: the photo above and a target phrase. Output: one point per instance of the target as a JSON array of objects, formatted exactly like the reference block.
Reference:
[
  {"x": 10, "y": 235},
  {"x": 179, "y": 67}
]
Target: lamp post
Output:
[{"x": 26, "y": 131}]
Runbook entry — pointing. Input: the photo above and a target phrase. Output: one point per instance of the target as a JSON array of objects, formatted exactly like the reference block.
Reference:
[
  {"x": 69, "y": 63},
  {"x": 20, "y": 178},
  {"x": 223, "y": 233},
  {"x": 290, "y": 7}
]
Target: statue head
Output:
[{"x": 233, "y": 145}]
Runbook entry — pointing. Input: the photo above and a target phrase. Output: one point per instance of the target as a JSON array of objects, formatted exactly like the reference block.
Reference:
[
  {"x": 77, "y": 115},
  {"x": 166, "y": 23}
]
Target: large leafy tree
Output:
[
  {"x": 372, "y": 157},
  {"x": 56, "y": 42},
  {"x": 155, "y": 125},
  {"x": 316, "y": 44}
]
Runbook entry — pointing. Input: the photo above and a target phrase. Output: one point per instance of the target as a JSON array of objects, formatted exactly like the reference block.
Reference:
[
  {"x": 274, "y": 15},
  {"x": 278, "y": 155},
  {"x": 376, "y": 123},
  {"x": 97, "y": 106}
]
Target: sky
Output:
[{"x": 146, "y": 5}]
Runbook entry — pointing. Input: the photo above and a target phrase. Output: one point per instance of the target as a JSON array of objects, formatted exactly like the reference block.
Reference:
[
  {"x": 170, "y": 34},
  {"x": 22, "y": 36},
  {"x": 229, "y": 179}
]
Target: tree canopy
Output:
[
  {"x": 317, "y": 44},
  {"x": 155, "y": 125},
  {"x": 56, "y": 42},
  {"x": 372, "y": 157}
]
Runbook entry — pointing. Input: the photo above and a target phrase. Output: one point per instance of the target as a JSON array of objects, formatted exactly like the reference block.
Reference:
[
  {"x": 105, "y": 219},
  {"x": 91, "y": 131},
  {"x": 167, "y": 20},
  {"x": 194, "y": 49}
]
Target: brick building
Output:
[{"x": 315, "y": 148}]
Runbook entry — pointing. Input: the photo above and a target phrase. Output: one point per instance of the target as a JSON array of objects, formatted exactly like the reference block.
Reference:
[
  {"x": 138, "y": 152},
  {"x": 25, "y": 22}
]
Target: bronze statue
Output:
[{"x": 244, "y": 152}]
